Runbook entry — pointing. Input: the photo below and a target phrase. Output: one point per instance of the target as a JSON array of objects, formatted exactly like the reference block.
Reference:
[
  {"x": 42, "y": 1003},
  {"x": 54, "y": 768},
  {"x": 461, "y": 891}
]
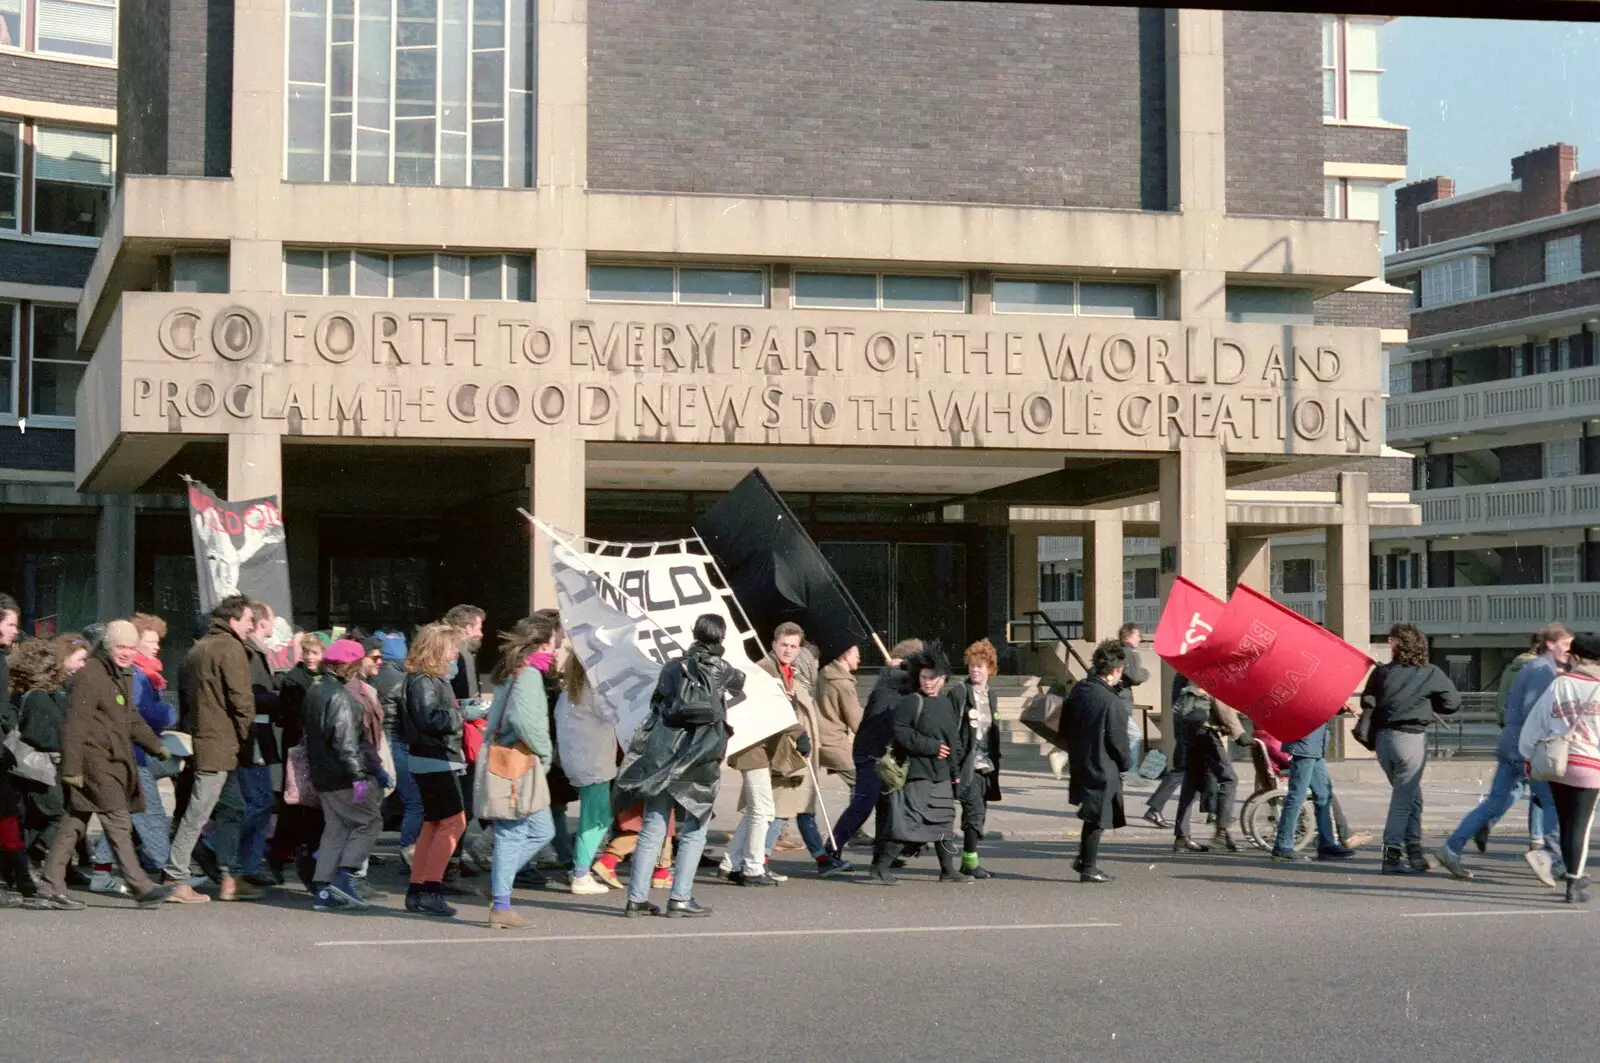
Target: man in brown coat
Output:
[
  {"x": 219, "y": 708},
  {"x": 98, "y": 769},
  {"x": 746, "y": 858},
  {"x": 838, "y": 720}
]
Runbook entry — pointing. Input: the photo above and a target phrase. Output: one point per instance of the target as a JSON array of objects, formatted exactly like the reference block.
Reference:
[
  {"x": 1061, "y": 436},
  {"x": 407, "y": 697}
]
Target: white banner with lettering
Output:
[{"x": 629, "y": 608}]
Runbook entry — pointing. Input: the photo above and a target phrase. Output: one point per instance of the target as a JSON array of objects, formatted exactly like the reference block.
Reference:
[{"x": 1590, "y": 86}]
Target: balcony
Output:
[
  {"x": 1492, "y": 509},
  {"x": 1572, "y": 394},
  {"x": 1507, "y": 610}
]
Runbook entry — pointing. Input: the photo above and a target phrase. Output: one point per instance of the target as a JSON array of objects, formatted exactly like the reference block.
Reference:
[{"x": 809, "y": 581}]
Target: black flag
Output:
[{"x": 776, "y": 572}]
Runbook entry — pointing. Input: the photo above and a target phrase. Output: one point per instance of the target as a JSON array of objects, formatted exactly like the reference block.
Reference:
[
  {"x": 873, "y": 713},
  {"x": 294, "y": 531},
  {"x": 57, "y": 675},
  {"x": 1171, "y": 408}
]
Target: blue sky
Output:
[{"x": 1476, "y": 93}]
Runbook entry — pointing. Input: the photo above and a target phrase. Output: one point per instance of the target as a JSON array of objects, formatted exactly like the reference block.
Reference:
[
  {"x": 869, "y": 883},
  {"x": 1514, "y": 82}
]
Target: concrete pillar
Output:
[
  {"x": 1194, "y": 536},
  {"x": 113, "y": 559},
  {"x": 255, "y": 467},
  {"x": 1102, "y": 578},
  {"x": 1196, "y": 155},
  {"x": 556, "y": 497},
  {"x": 1251, "y": 563},
  {"x": 1024, "y": 573},
  {"x": 1349, "y": 545}
]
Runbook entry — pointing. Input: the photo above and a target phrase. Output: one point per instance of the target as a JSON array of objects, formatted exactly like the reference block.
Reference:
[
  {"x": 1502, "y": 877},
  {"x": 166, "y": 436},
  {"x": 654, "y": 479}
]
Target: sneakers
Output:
[
  {"x": 154, "y": 897},
  {"x": 183, "y": 893},
  {"x": 237, "y": 889},
  {"x": 774, "y": 876},
  {"x": 343, "y": 886},
  {"x": 326, "y": 900},
  {"x": 1183, "y": 844},
  {"x": 606, "y": 875},
  {"x": 588, "y": 885},
  {"x": 1541, "y": 861},
  {"x": 1343, "y": 852},
  {"x": 1223, "y": 840},
  {"x": 1450, "y": 860},
  {"x": 431, "y": 904},
  {"x": 507, "y": 919},
  {"x": 740, "y": 878},
  {"x": 1154, "y": 817},
  {"x": 635, "y": 909},
  {"x": 834, "y": 866},
  {"x": 689, "y": 909},
  {"x": 108, "y": 882},
  {"x": 1287, "y": 856}
]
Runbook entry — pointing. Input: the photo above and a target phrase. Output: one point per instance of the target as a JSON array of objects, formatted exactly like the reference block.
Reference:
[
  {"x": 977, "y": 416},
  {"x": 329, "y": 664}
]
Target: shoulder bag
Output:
[
  {"x": 297, "y": 787},
  {"x": 509, "y": 783},
  {"x": 894, "y": 764},
  {"x": 34, "y": 765}
]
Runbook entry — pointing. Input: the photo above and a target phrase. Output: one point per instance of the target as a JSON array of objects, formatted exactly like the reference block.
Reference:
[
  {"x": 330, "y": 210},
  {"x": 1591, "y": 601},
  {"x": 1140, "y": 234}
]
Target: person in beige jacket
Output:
[
  {"x": 767, "y": 765},
  {"x": 838, "y": 714}
]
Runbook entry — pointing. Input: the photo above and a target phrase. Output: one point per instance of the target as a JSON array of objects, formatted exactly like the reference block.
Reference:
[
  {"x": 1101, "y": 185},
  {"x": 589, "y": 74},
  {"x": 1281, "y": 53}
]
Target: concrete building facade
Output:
[{"x": 955, "y": 276}]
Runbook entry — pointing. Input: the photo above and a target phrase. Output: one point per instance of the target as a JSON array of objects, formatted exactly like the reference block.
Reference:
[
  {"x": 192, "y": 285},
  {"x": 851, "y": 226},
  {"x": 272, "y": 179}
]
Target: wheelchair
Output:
[{"x": 1258, "y": 817}]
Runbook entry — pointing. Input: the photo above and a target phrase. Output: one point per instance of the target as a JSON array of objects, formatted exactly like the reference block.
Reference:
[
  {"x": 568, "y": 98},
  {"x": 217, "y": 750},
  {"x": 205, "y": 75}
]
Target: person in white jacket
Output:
[
  {"x": 1561, "y": 741},
  {"x": 586, "y": 734}
]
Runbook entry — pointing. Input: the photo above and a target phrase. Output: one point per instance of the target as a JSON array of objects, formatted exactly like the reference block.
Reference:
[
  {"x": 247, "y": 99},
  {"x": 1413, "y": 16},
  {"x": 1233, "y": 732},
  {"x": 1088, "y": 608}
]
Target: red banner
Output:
[{"x": 1289, "y": 675}]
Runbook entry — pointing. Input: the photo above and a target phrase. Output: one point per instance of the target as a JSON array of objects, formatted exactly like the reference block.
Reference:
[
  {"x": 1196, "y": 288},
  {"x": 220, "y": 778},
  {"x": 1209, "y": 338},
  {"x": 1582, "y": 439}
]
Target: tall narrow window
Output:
[
  {"x": 71, "y": 181},
  {"x": 413, "y": 92},
  {"x": 56, "y": 366},
  {"x": 8, "y": 359},
  {"x": 1351, "y": 70},
  {"x": 10, "y": 175},
  {"x": 1563, "y": 258}
]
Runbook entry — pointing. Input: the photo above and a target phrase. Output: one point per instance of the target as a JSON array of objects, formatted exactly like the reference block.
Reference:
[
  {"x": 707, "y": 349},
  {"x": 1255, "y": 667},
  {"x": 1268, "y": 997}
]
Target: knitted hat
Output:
[{"x": 121, "y": 633}]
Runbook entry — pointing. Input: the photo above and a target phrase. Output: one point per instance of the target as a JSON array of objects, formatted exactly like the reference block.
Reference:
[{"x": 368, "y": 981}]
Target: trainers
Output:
[
  {"x": 343, "y": 886},
  {"x": 1287, "y": 856},
  {"x": 1542, "y": 863},
  {"x": 606, "y": 875},
  {"x": 433, "y": 904},
  {"x": 506, "y": 919},
  {"x": 1450, "y": 860},
  {"x": 835, "y": 866},
  {"x": 740, "y": 878},
  {"x": 589, "y": 885},
  {"x": 183, "y": 893},
  {"x": 774, "y": 876},
  {"x": 108, "y": 882},
  {"x": 326, "y": 900},
  {"x": 1156, "y": 819},
  {"x": 689, "y": 909}
]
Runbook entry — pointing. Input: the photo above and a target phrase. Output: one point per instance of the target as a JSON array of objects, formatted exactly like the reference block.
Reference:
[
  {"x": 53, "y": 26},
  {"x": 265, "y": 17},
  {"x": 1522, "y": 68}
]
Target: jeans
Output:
[
  {"x": 255, "y": 787},
  {"x": 806, "y": 824},
  {"x": 863, "y": 799},
  {"x": 205, "y": 792},
  {"x": 653, "y": 833},
  {"x": 747, "y": 850},
  {"x": 1402, "y": 757},
  {"x": 1510, "y": 782},
  {"x": 1307, "y": 773},
  {"x": 594, "y": 817},
  {"x": 1542, "y": 819},
  {"x": 410, "y": 797},
  {"x": 516, "y": 841},
  {"x": 152, "y": 826}
]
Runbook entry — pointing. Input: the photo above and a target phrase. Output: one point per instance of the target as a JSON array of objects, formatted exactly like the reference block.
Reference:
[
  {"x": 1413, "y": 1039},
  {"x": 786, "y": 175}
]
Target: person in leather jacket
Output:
[
  {"x": 347, "y": 775},
  {"x": 431, "y": 724}
]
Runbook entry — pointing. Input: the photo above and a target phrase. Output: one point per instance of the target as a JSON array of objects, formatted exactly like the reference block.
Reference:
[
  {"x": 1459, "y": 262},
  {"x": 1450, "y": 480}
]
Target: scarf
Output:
[
  {"x": 151, "y": 667},
  {"x": 371, "y": 710},
  {"x": 542, "y": 660}
]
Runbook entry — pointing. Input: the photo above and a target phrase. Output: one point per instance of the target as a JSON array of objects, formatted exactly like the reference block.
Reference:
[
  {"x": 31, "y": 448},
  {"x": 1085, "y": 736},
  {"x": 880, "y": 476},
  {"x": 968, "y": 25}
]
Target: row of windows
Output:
[
  {"x": 408, "y": 276},
  {"x": 1469, "y": 277},
  {"x": 70, "y": 193},
  {"x": 79, "y": 29},
  {"x": 53, "y": 366},
  {"x": 1483, "y": 365}
]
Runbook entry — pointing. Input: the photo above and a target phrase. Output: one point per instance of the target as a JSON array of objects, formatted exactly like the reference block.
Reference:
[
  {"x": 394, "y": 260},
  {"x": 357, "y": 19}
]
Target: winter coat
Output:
[
  {"x": 464, "y": 680},
  {"x": 264, "y": 685},
  {"x": 1313, "y": 746},
  {"x": 217, "y": 705},
  {"x": 390, "y": 683},
  {"x": 520, "y": 714},
  {"x": 877, "y": 722},
  {"x": 587, "y": 734},
  {"x": 98, "y": 736},
  {"x": 331, "y": 719},
  {"x": 760, "y": 755},
  {"x": 838, "y": 717},
  {"x": 921, "y": 725},
  {"x": 983, "y": 732},
  {"x": 1508, "y": 678},
  {"x": 1569, "y": 707},
  {"x": 1094, "y": 730},
  {"x": 1533, "y": 679},
  {"x": 292, "y": 690},
  {"x": 794, "y": 793},
  {"x": 682, "y": 759},
  {"x": 432, "y": 722},
  {"x": 1134, "y": 674},
  {"x": 152, "y": 710},
  {"x": 41, "y": 713},
  {"x": 1405, "y": 697}
]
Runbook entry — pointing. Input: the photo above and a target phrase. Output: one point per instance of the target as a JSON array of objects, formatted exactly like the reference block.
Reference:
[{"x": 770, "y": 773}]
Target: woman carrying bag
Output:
[
  {"x": 510, "y": 787},
  {"x": 1561, "y": 742}
]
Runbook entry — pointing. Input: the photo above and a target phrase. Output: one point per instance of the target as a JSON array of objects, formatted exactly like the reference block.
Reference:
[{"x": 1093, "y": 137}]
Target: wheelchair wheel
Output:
[
  {"x": 1249, "y": 820},
  {"x": 1263, "y": 826}
]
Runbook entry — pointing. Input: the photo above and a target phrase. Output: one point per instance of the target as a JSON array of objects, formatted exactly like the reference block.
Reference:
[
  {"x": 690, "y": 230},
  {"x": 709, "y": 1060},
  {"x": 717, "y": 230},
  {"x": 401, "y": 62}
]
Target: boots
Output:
[
  {"x": 1417, "y": 857},
  {"x": 1577, "y": 890},
  {"x": 948, "y": 869},
  {"x": 1223, "y": 840},
  {"x": 1395, "y": 862},
  {"x": 882, "y": 860}
]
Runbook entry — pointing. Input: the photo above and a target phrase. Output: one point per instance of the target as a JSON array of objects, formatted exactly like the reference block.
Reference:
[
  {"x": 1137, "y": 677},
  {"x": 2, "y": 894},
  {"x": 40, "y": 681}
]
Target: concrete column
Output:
[
  {"x": 113, "y": 558},
  {"x": 1024, "y": 573},
  {"x": 1196, "y": 157},
  {"x": 1194, "y": 536},
  {"x": 255, "y": 466},
  {"x": 557, "y": 498},
  {"x": 1349, "y": 545},
  {"x": 1251, "y": 563},
  {"x": 562, "y": 135},
  {"x": 1102, "y": 578}
]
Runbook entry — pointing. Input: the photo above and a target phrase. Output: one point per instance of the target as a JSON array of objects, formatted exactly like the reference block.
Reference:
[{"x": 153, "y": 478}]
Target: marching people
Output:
[
  {"x": 1401, "y": 699},
  {"x": 872, "y": 738},
  {"x": 586, "y": 731},
  {"x": 255, "y": 799},
  {"x": 975, "y": 703},
  {"x": 1308, "y": 771},
  {"x": 390, "y": 683},
  {"x": 745, "y": 862},
  {"x": 838, "y": 721},
  {"x": 431, "y": 726},
  {"x": 932, "y": 737},
  {"x": 681, "y": 771},
  {"x": 1532, "y": 681},
  {"x": 342, "y": 724},
  {"x": 16, "y": 872},
  {"x": 1094, "y": 728},
  {"x": 39, "y": 682},
  {"x": 519, "y": 720},
  {"x": 294, "y": 837},
  {"x": 794, "y": 790},
  {"x": 1206, "y": 728},
  {"x": 1134, "y": 674},
  {"x": 98, "y": 770},
  {"x": 1552, "y": 644},
  {"x": 1561, "y": 741},
  {"x": 1172, "y": 776}
]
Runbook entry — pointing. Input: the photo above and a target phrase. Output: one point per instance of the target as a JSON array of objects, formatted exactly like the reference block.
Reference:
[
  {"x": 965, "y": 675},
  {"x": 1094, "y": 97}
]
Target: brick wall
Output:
[
  {"x": 1407, "y": 198},
  {"x": 176, "y": 115},
  {"x": 880, "y": 99},
  {"x": 1503, "y": 308},
  {"x": 37, "y": 448},
  {"x": 1521, "y": 261},
  {"x": 74, "y": 83},
  {"x": 1346, "y": 143},
  {"x": 30, "y": 263},
  {"x": 1584, "y": 193},
  {"x": 1364, "y": 309},
  {"x": 142, "y": 121},
  {"x": 1273, "y": 120},
  {"x": 1461, "y": 217},
  {"x": 1384, "y": 475}
]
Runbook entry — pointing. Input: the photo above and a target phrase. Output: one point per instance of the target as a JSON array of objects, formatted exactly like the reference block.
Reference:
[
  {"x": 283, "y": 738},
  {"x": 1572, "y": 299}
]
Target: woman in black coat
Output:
[
  {"x": 1094, "y": 728},
  {"x": 931, "y": 733},
  {"x": 39, "y": 681}
]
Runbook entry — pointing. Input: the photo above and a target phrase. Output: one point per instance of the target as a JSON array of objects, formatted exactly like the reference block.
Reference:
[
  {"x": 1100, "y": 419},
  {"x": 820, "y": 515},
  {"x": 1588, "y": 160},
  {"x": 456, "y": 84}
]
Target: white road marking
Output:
[
  {"x": 1495, "y": 912},
  {"x": 511, "y": 938}
]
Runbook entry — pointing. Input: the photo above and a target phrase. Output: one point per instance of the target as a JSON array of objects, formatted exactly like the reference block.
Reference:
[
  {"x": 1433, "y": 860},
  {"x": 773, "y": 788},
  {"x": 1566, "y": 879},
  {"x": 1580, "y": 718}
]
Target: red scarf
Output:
[{"x": 151, "y": 667}]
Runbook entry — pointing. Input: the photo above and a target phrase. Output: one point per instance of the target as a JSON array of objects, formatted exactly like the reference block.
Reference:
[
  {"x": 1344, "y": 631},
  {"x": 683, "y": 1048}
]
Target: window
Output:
[
  {"x": 1269, "y": 306},
  {"x": 1455, "y": 281},
  {"x": 1352, "y": 200},
  {"x": 1088, "y": 298},
  {"x": 693, "y": 285},
  {"x": 407, "y": 276},
  {"x": 1146, "y": 583},
  {"x": 411, "y": 92},
  {"x": 1399, "y": 378},
  {"x": 881, "y": 291},
  {"x": 1562, "y": 563},
  {"x": 200, "y": 271},
  {"x": 8, "y": 359},
  {"x": 10, "y": 174},
  {"x": 71, "y": 181},
  {"x": 1298, "y": 575},
  {"x": 1561, "y": 458},
  {"x": 1351, "y": 69},
  {"x": 86, "y": 29},
  {"x": 11, "y": 23},
  {"x": 1563, "y": 258},
  {"x": 56, "y": 366}
]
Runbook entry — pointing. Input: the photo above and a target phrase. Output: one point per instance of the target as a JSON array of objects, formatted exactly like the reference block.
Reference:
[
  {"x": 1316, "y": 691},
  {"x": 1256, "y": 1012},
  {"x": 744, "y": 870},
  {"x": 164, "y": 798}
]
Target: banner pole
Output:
[{"x": 878, "y": 641}]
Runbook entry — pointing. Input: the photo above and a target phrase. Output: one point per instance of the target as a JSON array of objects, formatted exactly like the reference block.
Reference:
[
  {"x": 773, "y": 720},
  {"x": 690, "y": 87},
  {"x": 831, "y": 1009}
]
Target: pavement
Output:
[{"x": 1209, "y": 956}]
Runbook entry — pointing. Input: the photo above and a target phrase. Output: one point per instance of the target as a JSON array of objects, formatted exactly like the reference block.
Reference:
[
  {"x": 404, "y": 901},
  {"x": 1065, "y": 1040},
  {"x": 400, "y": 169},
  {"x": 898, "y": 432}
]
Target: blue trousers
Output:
[
  {"x": 255, "y": 787},
  {"x": 1307, "y": 773},
  {"x": 1510, "y": 783}
]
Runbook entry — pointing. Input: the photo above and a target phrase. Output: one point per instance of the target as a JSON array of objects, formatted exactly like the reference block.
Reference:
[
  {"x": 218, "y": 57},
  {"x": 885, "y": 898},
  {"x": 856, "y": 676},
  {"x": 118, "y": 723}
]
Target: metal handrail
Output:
[{"x": 1057, "y": 632}]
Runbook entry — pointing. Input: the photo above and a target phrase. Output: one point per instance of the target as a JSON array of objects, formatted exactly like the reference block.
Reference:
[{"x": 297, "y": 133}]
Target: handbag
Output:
[
  {"x": 893, "y": 765},
  {"x": 1549, "y": 761},
  {"x": 1154, "y": 766},
  {"x": 297, "y": 787},
  {"x": 34, "y": 765},
  {"x": 509, "y": 783},
  {"x": 1362, "y": 731},
  {"x": 1042, "y": 716}
]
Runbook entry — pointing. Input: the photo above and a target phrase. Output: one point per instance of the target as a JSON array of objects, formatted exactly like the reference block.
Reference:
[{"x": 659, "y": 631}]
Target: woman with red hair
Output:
[{"x": 975, "y": 702}]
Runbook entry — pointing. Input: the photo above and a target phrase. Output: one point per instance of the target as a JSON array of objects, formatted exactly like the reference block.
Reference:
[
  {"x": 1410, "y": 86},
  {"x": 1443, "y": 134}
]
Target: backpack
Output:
[{"x": 696, "y": 702}]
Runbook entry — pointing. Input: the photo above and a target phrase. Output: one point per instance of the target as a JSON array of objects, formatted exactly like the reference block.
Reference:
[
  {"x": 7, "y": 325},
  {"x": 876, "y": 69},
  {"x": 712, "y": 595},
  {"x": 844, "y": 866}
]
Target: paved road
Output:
[{"x": 1195, "y": 958}]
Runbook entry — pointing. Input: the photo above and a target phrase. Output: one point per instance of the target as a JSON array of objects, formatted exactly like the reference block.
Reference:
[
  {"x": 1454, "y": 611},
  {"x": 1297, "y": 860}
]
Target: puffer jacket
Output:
[
  {"x": 331, "y": 719},
  {"x": 432, "y": 721}
]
